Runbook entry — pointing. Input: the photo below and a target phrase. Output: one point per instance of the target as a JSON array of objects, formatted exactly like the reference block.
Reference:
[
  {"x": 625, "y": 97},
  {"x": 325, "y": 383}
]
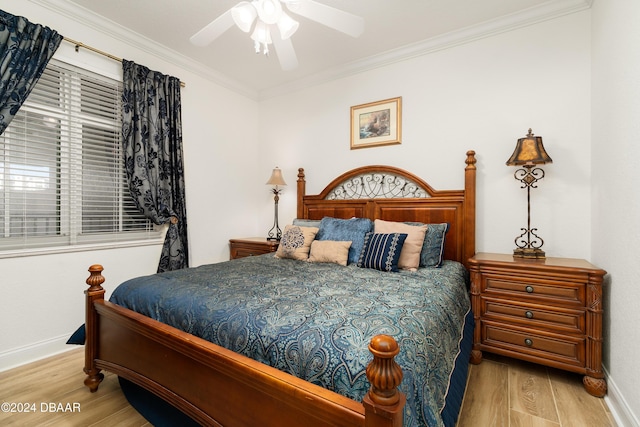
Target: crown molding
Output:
[
  {"x": 544, "y": 12},
  {"x": 114, "y": 30}
]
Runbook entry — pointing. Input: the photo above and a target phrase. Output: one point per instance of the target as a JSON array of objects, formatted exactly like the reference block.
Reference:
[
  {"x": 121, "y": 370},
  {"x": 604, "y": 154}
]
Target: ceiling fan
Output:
[{"x": 271, "y": 24}]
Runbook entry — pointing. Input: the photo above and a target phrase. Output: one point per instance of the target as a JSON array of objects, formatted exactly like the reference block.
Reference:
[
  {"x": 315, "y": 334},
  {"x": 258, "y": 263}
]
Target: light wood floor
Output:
[
  {"x": 511, "y": 393},
  {"x": 500, "y": 392},
  {"x": 59, "y": 379}
]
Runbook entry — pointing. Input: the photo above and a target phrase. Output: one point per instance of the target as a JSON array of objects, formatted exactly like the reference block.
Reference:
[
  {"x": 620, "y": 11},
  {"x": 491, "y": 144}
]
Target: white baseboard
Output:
[
  {"x": 22, "y": 355},
  {"x": 620, "y": 410}
]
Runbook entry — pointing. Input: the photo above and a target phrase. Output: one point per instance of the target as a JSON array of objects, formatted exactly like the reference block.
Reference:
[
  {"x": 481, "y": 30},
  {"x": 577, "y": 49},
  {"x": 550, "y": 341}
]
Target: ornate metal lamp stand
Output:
[
  {"x": 275, "y": 233},
  {"x": 276, "y": 180},
  {"x": 529, "y": 246},
  {"x": 529, "y": 152}
]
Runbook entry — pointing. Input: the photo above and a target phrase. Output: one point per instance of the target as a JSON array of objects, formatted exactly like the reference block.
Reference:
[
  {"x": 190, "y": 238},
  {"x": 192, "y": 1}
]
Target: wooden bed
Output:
[{"x": 218, "y": 387}]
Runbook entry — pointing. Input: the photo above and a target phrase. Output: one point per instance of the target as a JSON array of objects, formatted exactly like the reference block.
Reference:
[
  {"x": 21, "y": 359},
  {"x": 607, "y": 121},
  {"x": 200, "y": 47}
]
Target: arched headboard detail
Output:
[
  {"x": 393, "y": 194},
  {"x": 377, "y": 182}
]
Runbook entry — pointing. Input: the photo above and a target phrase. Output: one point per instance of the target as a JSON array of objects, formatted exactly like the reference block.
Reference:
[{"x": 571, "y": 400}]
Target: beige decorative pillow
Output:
[
  {"x": 410, "y": 254},
  {"x": 296, "y": 241},
  {"x": 329, "y": 251}
]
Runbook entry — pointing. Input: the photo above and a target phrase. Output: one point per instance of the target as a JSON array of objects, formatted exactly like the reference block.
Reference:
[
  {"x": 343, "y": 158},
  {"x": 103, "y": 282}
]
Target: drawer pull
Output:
[
  {"x": 528, "y": 314},
  {"x": 529, "y": 289},
  {"x": 528, "y": 342}
]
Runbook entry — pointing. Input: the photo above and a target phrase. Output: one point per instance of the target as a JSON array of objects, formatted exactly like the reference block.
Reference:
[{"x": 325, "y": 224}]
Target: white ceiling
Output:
[{"x": 393, "y": 29}]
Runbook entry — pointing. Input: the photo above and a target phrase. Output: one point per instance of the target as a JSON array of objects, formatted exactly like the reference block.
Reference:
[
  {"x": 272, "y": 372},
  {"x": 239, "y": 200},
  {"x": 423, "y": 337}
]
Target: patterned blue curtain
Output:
[
  {"x": 152, "y": 141},
  {"x": 25, "y": 50}
]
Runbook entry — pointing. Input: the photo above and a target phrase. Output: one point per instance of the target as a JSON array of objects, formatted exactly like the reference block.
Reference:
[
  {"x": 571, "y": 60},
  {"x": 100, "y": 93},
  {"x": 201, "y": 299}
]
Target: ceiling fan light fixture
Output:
[
  {"x": 287, "y": 26},
  {"x": 243, "y": 15},
  {"x": 261, "y": 33},
  {"x": 261, "y": 17},
  {"x": 269, "y": 11},
  {"x": 261, "y": 37}
]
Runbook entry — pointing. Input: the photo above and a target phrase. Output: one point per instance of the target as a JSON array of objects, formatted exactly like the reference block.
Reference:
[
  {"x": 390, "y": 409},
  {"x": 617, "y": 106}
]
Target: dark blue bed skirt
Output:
[
  {"x": 458, "y": 383},
  {"x": 154, "y": 409}
]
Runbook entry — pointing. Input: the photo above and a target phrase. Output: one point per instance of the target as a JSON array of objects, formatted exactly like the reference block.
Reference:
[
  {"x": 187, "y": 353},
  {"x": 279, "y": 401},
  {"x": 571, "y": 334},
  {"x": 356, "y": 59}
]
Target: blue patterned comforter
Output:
[{"x": 315, "y": 320}]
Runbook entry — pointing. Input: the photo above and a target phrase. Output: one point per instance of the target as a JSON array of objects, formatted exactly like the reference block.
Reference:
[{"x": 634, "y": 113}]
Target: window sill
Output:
[{"x": 80, "y": 248}]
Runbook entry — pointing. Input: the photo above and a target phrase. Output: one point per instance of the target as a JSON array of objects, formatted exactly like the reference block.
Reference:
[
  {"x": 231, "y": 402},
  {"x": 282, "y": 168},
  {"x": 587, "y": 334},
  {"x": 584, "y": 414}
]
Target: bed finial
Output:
[
  {"x": 384, "y": 374},
  {"x": 96, "y": 278},
  {"x": 471, "y": 159},
  {"x": 384, "y": 403}
]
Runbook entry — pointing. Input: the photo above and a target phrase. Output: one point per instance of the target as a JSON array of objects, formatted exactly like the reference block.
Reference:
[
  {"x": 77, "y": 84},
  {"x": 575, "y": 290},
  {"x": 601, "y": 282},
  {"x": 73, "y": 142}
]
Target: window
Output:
[{"x": 62, "y": 181}]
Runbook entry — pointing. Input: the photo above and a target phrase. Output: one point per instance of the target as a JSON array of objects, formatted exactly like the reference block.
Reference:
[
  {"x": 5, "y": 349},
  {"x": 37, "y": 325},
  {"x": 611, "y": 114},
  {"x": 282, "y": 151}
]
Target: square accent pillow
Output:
[
  {"x": 410, "y": 255},
  {"x": 344, "y": 230},
  {"x": 296, "y": 242},
  {"x": 382, "y": 251},
  {"x": 329, "y": 251}
]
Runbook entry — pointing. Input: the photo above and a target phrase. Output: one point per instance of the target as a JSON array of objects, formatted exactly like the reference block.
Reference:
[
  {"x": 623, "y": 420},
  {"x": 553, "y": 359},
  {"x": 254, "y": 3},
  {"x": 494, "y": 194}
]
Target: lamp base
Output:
[
  {"x": 273, "y": 239},
  {"x": 528, "y": 253}
]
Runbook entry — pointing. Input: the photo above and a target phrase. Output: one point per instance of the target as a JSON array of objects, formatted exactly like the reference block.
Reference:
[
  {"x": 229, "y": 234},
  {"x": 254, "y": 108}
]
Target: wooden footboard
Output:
[{"x": 217, "y": 387}]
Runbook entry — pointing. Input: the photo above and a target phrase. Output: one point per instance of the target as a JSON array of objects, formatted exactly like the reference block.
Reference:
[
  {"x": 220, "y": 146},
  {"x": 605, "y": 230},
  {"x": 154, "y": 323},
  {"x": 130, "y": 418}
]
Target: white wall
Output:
[
  {"x": 482, "y": 95},
  {"x": 41, "y": 297},
  {"x": 615, "y": 191}
]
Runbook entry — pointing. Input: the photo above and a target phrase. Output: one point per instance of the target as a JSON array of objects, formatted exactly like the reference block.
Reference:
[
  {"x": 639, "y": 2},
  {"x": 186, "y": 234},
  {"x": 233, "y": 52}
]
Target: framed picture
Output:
[{"x": 376, "y": 123}]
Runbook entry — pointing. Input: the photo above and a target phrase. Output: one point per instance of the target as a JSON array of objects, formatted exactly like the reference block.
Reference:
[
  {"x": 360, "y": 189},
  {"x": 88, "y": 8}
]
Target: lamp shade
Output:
[
  {"x": 243, "y": 15},
  {"x": 529, "y": 151},
  {"x": 261, "y": 33},
  {"x": 287, "y": 26},
  {"x": 276, "y": 178},
  {"x": 269, "y": 11}
]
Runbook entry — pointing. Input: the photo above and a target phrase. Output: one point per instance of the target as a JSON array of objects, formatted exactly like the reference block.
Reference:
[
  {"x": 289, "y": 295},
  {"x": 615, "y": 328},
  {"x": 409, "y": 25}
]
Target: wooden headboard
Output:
[{"x": 393, "y": 194}]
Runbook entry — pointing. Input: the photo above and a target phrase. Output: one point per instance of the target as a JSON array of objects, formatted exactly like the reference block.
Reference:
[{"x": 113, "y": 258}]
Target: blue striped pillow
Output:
[{"x": 381, "y": 251}]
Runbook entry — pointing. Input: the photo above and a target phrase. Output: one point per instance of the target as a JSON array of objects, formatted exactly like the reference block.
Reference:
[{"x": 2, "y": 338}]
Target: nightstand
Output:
[
  {"x": 250, "y": 246},
  {"x": 547, "y": 311}
]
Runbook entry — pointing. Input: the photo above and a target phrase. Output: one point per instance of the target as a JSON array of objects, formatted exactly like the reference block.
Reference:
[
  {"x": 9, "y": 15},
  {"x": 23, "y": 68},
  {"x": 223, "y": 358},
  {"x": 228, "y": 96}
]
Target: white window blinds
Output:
[{"x": 62, "y": 180}]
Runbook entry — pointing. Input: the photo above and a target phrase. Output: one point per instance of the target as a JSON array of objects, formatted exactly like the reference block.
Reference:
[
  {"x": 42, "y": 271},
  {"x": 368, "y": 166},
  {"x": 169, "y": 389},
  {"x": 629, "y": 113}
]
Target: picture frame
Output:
[{"x": 376, "y": 123}]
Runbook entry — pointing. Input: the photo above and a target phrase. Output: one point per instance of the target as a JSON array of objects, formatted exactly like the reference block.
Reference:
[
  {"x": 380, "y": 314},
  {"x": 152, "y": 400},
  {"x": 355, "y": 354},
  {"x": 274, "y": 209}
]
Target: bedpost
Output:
[
  {"x": 384, "y": 403},
  {"x": 469, "y": 248},
  {"x": 94, "y": 293},
  {"x": 301, "y": 192}
]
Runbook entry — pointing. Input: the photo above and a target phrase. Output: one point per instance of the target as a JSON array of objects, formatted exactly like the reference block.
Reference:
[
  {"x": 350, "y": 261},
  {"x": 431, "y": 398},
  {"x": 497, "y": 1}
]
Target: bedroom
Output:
[{"x": 570, "y": 78}]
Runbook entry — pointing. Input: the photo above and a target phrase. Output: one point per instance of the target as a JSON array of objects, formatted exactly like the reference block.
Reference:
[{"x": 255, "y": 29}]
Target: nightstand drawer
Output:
[
  {"x": 251, "y": 246},
  {"x": 561, "y": 320},
  {"x": 561, "y": 348},
  {"x": 244, "y": 252},
  {"x": 531, "y": 289}
]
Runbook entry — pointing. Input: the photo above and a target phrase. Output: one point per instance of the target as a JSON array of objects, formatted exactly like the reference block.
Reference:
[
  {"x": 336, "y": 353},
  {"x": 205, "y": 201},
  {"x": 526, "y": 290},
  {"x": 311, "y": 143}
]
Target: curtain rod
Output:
[{"x": 98, "y": 51}]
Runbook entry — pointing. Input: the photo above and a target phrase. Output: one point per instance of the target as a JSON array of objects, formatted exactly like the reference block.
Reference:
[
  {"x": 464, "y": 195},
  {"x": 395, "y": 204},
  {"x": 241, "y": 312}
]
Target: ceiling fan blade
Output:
[
  {"x": 284, "y": 50},
  {"x": 212, "y": 31},
  {"x": 326, "y": 15}
]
